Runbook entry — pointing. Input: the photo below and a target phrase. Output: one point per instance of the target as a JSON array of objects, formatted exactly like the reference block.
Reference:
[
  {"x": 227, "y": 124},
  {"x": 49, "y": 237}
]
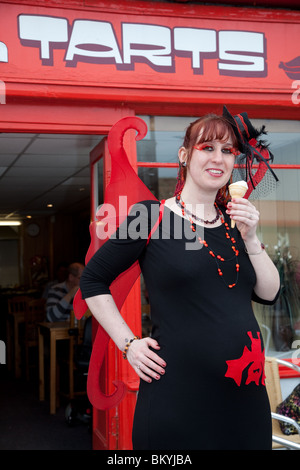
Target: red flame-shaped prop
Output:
[{"x": 123, "y": 182}]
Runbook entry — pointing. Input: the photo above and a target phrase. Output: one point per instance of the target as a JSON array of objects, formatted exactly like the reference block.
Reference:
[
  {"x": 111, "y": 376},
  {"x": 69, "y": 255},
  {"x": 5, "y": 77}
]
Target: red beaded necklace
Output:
[{"x": 215, "y": 256}]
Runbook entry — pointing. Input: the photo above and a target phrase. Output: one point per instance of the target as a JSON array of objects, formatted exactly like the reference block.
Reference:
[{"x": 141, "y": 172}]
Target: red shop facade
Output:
[{"x": 77, "y": 67}]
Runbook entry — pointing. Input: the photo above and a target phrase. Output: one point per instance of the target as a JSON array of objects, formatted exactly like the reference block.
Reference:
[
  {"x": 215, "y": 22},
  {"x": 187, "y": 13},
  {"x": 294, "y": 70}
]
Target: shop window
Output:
[{"x": 279, "y": 226}]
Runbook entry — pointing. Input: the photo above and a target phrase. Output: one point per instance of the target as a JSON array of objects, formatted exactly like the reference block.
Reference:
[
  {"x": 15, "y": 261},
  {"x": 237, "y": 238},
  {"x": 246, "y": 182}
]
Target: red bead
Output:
[{"x": 228, "y": 236}]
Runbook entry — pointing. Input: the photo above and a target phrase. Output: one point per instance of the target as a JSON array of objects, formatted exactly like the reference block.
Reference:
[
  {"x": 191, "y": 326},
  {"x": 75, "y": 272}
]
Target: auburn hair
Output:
[{"x": 206, "y": 129}]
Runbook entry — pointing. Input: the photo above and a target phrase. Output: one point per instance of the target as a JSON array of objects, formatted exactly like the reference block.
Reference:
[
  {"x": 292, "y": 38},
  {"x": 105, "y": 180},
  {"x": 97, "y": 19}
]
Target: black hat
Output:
[{"x": 252, "y": 149}]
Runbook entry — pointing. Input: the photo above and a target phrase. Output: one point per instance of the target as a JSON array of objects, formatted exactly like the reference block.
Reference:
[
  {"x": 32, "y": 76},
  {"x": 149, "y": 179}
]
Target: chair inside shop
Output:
[
  {"x": 16, "y": 307},
  {"x": 17, "y": 304},
  {"x": 80, "y": 408},
  {"x": 34, "y": 314},
  {"x": 279, "y": 439}
]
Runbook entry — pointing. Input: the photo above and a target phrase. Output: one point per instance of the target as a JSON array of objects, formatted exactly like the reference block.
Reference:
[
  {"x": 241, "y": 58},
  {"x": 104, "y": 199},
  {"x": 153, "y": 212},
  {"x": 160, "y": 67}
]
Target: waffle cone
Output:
[{"x": 236, "y": 190}]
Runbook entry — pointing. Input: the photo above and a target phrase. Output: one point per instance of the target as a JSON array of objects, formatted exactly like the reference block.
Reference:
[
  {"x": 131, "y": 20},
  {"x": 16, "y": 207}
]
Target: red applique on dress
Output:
[{"x": 254, "y": 358}]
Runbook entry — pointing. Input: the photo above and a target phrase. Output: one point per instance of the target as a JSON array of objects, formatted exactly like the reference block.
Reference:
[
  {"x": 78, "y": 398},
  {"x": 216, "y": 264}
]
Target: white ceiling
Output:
[{"x": 38, "y": 169}]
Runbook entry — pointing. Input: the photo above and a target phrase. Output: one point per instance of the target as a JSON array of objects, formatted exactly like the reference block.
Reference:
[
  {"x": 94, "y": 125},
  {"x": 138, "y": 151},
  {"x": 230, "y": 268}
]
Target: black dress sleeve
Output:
[
  {"x": 120, "y": 251},
  {"x": 259, "y": 300}
]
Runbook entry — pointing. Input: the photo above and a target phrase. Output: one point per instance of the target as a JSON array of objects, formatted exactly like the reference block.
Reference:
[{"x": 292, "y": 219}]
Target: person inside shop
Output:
[
  {"x": 60, "y": 296},
  {"x": 60, "y": 276},
  {"x": 202, "y": 370}
]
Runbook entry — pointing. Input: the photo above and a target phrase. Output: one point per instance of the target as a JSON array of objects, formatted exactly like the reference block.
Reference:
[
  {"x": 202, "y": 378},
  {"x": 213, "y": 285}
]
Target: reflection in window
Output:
[
  {"x": 160, "y": 181},
  {"x": 279, "y": 226}
]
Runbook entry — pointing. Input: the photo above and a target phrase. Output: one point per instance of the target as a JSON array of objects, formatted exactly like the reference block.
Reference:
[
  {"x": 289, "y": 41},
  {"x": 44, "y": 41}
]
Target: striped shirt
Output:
[{"x": 58, "y": 309}]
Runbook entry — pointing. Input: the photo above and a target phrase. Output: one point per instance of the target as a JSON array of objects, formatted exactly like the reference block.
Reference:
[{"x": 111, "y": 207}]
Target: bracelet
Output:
[
  {"x": 127, "y": 346},
  {"x": 262, "y": 248}
]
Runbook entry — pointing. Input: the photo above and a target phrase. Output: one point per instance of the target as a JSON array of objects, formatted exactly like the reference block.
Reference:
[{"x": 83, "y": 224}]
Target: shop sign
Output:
[
  {"x": 104, "y": 49},
  {"x": 158, "y": 46}
]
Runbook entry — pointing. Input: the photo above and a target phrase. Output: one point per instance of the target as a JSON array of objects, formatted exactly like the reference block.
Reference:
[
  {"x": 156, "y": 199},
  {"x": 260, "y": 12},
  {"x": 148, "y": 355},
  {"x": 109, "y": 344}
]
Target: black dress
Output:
[{"x": 212, "y": 395}]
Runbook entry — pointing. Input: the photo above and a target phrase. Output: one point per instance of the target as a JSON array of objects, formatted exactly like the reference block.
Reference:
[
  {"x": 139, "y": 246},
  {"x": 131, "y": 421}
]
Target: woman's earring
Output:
[{"x": 183, "y": 164}]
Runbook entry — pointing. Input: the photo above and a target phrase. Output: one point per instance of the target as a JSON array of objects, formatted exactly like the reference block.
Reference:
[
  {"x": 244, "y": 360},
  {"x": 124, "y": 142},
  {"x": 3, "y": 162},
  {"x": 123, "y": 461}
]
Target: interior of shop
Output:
[{"x": 45, "y": 216}]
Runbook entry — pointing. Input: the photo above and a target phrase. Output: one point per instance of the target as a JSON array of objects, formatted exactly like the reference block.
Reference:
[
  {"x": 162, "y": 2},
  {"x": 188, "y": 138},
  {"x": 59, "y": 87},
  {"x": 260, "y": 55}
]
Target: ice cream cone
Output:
[{"x": 237, "y": 190}]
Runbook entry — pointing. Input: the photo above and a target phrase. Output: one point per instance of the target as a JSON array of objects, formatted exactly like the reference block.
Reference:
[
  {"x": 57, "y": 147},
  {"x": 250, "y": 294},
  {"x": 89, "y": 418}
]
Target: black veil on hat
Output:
[{"x": 253, "y": 162}]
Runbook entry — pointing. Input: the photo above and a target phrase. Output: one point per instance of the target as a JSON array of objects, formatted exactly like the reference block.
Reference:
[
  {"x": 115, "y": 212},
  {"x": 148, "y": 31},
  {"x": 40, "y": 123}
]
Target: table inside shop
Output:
[{"x": 56, "y": 331}]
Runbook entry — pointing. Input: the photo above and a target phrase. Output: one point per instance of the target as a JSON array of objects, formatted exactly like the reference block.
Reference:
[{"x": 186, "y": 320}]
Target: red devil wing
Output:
[{"x": 124, "y": 189}]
